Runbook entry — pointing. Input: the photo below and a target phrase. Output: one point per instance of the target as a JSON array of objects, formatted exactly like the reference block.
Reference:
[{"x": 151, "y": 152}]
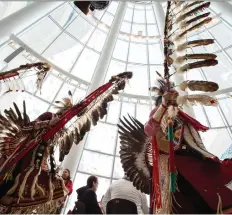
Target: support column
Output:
[
  {"x": 23, "y": 18},
  {"x": 223, "y": 7},
  {"x": 71, "y": 162},
  {"x": 104, "y": 60}
]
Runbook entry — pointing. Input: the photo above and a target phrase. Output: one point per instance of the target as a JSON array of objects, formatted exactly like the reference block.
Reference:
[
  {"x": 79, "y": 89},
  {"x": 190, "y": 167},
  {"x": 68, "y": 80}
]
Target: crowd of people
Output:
[{"x": 120, "y": 198}]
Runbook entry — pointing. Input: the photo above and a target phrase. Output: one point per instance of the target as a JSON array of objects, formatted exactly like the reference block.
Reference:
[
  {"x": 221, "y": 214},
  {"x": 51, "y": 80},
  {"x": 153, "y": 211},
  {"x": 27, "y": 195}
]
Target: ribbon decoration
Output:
[
  {"x": 157, "y": 198},
  {"x": 171, "y": 157}
]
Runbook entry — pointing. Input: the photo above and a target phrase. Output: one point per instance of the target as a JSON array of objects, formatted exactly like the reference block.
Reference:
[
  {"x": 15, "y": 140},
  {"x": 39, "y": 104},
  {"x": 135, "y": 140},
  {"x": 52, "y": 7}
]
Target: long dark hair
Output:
[{"x": 69, "y": 176}]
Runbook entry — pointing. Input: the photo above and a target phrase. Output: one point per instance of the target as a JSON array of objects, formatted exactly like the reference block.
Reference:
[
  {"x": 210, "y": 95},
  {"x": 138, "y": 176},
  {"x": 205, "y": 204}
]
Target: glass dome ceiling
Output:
[{"x": 125, "y": 36}]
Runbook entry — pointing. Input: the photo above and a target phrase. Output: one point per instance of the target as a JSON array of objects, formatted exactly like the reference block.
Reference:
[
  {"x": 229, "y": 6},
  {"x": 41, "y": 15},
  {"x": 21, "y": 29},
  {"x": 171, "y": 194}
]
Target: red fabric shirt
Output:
[{"x": 69, "y": 186}]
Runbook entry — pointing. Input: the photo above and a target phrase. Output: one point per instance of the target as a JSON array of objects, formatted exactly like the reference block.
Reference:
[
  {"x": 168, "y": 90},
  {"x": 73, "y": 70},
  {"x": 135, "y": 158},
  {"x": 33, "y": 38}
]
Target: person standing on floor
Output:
[
  {"x": 124, "y": 189},
  {"x": 87, "y": 195}
]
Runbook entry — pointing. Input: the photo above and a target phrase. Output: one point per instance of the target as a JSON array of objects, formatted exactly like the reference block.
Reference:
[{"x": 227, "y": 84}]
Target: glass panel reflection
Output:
[
  {"x": 64, "y": 51},
  {"x": 102, "y": 138},
  {"x": 217, "y": 141},
  {"x": 85, "y": 66},
  {"x": 142, "y": 113},
  {"x": 138, "y": 84},
  {"x": 113, "y": 112},
  {"x": 118, "y": 170},
  {"x": 96, "y": 163}
]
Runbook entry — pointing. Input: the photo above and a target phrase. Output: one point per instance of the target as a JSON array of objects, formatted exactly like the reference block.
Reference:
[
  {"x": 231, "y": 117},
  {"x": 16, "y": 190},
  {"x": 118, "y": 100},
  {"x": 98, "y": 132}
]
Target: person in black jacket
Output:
[{"x": 87, "y": 195}]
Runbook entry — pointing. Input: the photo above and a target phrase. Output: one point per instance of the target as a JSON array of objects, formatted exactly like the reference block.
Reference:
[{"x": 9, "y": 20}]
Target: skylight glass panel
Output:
[
  {"x": 97, "y": 40},
  {"x": 115, "y": 68},
  {"x": 150, "y": 16},
  {"x": 127, "y": 108},
  {"x": 148, "y": 7},
  {"x": 64, "y": 51},
  {"x": 126, "y": 27},
  {"x": 64, "y": 15},
  {"x": 63, "y": 92},
  {"x": 139, "y": 6},
  {"x": 96, "y": 163},
  {"x": 128, "y": 14},
  {"x": 222, "y": 34},
  {"x": 217, "y": 141},
  {"x": 29, "y": 83},
  {"x": 48, "y": 93},
  {"x": 98, "y": 13},
  {"x": 229, "y": 52},
  {"x": 107, "y": 19},
  {"x": 152, "y": 30},
  {"x": 214, "y": 116},
  {"x": 106, "y": 134},
  {"x": 41, "y": 35},
  {"x": 139, "y": 82},
  {"x": 78, "y": 95},
  {"x": 226, "y": 105},
  {"x": 85, "y": 66},
  {"x": 113, "y": 112},
  {"x": 118, "y": 170},
  {"x": 153, "y": 75},
  {"x": 121, "y": 50},
  {"x": 33, "y": 110},
  {"x": 138, "y": 30},
  {"x": 200, "y": 115},
  {"x": 83, "y": 31},
  {"x": 142, "y": 113},
  {"x": 139, "y": 16},
  {"x": 10, "y": 7},
  {"x": 113, "y": 7},
  {"x": 155, "y": 54},
  {"x": 5, "y": 52},
  {"x": 221, "y": 73},
  {"x": 118, "y": 146},
  {"x": 137, "y": 53}
]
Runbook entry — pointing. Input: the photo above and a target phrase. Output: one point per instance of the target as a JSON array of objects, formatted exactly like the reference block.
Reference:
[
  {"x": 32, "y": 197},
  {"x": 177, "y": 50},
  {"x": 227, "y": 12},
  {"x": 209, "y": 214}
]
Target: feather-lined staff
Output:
[
  {"x": 168, "y": 124},
  {"x": 12, "y": 77},
  {"x": 25, "y": 146}
]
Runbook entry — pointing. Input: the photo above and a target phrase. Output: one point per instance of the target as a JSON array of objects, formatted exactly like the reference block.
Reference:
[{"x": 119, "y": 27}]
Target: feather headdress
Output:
[
  {"x": 65, "y": 104},
  {"x": 161, "y": 88}
]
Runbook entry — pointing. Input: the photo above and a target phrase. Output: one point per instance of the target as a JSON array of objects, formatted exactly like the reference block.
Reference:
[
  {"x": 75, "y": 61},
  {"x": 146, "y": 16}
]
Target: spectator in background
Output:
[
  {"x": 87, "y": 195},
  {"x": 67, "y": 180},
  {"x": 69, "y": 186},
  {"x": 124, "y": 189}
]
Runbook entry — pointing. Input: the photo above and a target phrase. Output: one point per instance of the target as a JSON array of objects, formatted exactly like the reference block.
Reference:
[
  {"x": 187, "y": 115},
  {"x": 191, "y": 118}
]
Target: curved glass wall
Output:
[{"x": 73, "y": 44}]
